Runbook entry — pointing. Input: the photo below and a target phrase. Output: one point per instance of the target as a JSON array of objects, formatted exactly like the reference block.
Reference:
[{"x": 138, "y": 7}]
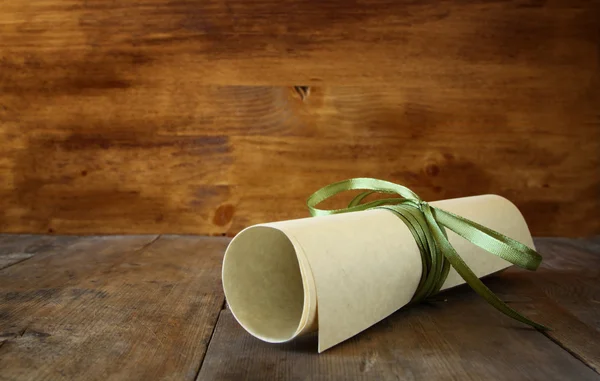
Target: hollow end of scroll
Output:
[{"x": 263, "y": 283}]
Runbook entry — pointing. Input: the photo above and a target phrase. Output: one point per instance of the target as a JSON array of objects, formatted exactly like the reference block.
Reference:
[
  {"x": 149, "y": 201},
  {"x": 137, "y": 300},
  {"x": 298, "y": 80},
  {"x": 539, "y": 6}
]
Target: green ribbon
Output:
[{"x": 427, "y": 225}]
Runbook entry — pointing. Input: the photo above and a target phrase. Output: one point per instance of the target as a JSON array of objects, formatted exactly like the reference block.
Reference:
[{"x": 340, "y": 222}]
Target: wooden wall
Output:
[{"x": 160, "y": 116}]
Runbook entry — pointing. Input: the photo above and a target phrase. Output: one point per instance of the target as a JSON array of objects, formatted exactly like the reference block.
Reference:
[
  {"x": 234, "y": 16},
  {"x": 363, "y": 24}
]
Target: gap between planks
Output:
[{"x": 571, "y": 352}]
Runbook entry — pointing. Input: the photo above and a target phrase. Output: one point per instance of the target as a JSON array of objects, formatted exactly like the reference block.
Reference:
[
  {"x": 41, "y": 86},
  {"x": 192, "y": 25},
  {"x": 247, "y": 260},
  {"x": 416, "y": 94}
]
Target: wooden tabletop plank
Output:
[
  {"x": 30, "y": 285},
  {"x": 564, "y": 294},
  {"x": 112, "y": 307},
  {"x": 570, "y": 275},
  {"x": 455, "y": 336},
  {"x": 15, "y": 248},
  {"x": 525, "y": 292},
  {"x": 581, "y": 255}
]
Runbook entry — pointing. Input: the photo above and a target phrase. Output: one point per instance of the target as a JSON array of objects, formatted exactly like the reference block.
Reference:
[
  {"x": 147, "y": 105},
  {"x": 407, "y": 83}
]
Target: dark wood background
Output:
[{"x": 162, "y": 116}]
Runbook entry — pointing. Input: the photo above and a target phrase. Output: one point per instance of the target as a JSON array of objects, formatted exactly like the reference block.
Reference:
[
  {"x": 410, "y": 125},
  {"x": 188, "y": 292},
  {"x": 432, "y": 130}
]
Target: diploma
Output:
[{"x": 342, "y": 273}]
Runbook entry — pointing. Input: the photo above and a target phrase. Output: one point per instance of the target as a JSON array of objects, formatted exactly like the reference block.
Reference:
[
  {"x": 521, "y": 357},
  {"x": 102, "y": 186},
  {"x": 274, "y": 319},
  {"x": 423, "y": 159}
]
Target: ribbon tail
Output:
[
  {"x": 490, "y": 240},
  {"x": 471, "y": 279}
]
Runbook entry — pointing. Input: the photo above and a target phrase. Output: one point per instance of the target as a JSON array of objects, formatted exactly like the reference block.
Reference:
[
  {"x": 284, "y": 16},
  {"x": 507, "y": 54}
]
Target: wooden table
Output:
[{"x": 152, "y": 307}]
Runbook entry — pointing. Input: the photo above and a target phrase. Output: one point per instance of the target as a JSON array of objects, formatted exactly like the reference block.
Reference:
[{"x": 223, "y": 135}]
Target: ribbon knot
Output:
[
  {"x": 422, "y": 204},
  {"x": 428, "y": 226}
]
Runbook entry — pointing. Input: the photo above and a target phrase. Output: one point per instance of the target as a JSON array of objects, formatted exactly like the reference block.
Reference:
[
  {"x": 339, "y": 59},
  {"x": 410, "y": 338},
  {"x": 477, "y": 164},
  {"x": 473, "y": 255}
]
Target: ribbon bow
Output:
[{"x": 427, "y": 225}]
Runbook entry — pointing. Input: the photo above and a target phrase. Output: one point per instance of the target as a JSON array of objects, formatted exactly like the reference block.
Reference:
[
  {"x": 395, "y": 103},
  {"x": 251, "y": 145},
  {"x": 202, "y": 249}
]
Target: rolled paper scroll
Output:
[{"x": 342, "y": 273}]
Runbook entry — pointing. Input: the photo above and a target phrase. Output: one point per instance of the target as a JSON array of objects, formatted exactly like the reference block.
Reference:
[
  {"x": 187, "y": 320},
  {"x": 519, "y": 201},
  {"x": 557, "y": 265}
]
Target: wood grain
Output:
[
  {"x": 167, "y": 156},
  {"x": 565, "y": 293},
  {"x": 117, "y": 308},
  {"x": 525, "y": 293},
  {"x": 132, "y": 118},
  {"x": 297, "y": 42},
  {"x": 569, "y": 276}
]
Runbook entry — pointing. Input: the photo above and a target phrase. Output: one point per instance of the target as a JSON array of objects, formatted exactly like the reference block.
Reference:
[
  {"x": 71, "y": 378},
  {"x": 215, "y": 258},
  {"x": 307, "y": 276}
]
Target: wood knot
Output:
[
  {"x": 303, "y": 92},
  {"x": 223, "y": 214}
]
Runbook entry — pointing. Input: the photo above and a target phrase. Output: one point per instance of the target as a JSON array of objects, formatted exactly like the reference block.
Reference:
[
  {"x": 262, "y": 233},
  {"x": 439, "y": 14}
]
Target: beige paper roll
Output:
[{"x": 343, "y": 273}]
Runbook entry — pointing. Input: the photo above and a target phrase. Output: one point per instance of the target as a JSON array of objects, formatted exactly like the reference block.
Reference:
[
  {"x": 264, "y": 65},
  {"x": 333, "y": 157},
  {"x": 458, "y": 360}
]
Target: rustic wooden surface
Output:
[
  {"x": 181, "y": 116},
  {"x": 151, "y": 307},
  {"x": 137, "y": 307}
]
